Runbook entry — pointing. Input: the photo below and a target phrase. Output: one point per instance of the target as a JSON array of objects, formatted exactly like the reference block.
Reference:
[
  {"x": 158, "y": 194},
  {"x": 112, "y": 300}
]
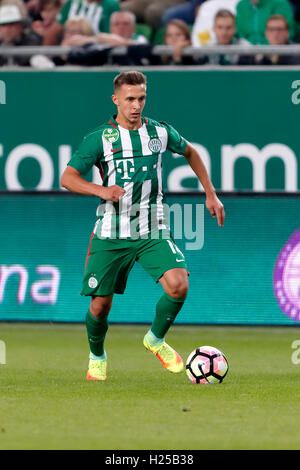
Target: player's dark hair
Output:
[{"x": 129, "y": 78}]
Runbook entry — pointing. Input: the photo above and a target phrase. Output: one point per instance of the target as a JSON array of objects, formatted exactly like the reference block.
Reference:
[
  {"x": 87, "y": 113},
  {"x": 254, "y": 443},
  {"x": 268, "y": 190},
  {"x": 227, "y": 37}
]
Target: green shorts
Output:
[{"x": 110, "y": 261}]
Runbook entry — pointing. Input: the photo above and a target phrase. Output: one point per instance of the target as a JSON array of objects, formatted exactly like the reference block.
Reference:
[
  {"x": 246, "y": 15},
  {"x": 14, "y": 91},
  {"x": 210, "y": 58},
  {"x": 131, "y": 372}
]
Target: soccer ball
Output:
[{"x": 206, "y": 365}]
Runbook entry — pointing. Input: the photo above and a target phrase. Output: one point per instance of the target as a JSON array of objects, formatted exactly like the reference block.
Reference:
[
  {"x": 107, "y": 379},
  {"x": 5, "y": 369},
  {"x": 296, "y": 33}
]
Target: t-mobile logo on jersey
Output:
[
  {"x": 2, "y": 92},
  {"x": 126, "y": 166}
]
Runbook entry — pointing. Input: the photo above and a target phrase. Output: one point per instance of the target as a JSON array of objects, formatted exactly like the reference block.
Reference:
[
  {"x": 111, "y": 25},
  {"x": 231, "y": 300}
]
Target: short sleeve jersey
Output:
[
  {"x": 132, "y": 159},
  {"x": 98, "y": 13}
]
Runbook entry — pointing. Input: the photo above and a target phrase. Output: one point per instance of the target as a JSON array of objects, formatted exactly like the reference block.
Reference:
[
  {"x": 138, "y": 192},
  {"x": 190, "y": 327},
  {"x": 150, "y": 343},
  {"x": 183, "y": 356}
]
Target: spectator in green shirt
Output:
[
  {"x": 122, "y": 33},
  {"x": 252, "y": 16},
  {"x": 97, "y": 12}
]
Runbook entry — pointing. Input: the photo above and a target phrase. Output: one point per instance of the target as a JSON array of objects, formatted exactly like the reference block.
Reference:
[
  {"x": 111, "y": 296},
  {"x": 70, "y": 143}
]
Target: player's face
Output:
[
  {"x": 130, "y": 100},
  {"x": 224, "y": 29}
]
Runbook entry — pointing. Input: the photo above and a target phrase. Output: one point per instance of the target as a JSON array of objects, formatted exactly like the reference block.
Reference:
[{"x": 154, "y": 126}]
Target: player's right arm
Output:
[
  {"x": 87, "y": 155},
  {"x": 73, "y": 181}
]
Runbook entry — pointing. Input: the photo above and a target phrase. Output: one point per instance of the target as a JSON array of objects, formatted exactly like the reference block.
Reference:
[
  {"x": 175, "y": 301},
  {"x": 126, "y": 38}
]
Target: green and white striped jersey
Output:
[
  {"x": 132, "y": 159},
  {"x": 97, "y": 12}
]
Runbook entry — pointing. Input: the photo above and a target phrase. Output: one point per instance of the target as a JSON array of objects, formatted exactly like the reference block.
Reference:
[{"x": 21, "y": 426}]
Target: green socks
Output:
[
  {"x": 167, "y": 309},
  {"x": 96, "y": 331}
]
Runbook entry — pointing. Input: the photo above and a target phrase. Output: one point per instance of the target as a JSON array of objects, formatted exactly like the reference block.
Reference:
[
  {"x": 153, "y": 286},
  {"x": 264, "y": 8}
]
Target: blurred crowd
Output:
[{"x": 96, "y": 31}]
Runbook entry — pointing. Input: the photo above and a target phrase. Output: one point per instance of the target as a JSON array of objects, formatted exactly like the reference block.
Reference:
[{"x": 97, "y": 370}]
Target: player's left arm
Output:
[{"x": 213, "y": 203}]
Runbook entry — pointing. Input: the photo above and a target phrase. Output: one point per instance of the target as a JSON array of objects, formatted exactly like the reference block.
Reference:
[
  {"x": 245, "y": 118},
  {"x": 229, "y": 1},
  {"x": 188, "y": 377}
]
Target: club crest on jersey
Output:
[
  {"x": 111, "y": 135},
  {"x": 155, "y": 145},
  {"x": 92, "y": 282}
]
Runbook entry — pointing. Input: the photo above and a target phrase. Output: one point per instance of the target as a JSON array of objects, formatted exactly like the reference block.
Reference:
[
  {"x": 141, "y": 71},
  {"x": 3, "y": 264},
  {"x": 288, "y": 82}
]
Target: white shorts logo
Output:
[{"x": 92, "y": 282}]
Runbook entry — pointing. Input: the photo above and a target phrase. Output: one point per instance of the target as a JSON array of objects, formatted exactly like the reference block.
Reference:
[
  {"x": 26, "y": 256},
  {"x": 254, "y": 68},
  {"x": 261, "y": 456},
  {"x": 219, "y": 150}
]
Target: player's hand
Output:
[
  {"x": 216, "y": 208},
  {"x": 112, "y": 193}
]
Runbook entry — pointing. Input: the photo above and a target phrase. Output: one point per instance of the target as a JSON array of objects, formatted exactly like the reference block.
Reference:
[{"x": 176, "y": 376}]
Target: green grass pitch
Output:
[{"x": 46, "y": 403}]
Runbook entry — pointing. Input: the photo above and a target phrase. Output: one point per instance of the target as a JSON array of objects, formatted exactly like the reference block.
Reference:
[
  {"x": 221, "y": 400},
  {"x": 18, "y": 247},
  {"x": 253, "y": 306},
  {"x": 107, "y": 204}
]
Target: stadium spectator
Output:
[
  {"x": 81, "y": 55},
  {"x": 149, "y": 11},
  {"x": 185, "y": 12},
  {"x": 98, "y": 12},
  {"x": 277, "y": 30},
  {"x": 225, "y": 35},
  {"x": 277, "y": 34},
  {"x": 178, "y": 36},
  {"x": 203, "y": 29},
  {"x": 122, "y": 32},
  {"x": 123, "y": 24},
  {"x": 77, "y": 26},
  {"x": 15, "y": 32},
  {"x": 252, "y": 17},
  {"x": 48, "y": 12}
]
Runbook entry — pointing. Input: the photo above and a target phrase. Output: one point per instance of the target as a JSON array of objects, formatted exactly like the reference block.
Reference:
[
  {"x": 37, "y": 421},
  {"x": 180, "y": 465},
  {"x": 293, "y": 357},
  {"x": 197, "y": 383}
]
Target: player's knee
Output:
[
  {"x": 178, "y": 288},
  {"x": 100, "y": 306}
]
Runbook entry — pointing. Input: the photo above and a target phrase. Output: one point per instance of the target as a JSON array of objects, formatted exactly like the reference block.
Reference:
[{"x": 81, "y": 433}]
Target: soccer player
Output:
[{"x": 131, "y": 224}]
